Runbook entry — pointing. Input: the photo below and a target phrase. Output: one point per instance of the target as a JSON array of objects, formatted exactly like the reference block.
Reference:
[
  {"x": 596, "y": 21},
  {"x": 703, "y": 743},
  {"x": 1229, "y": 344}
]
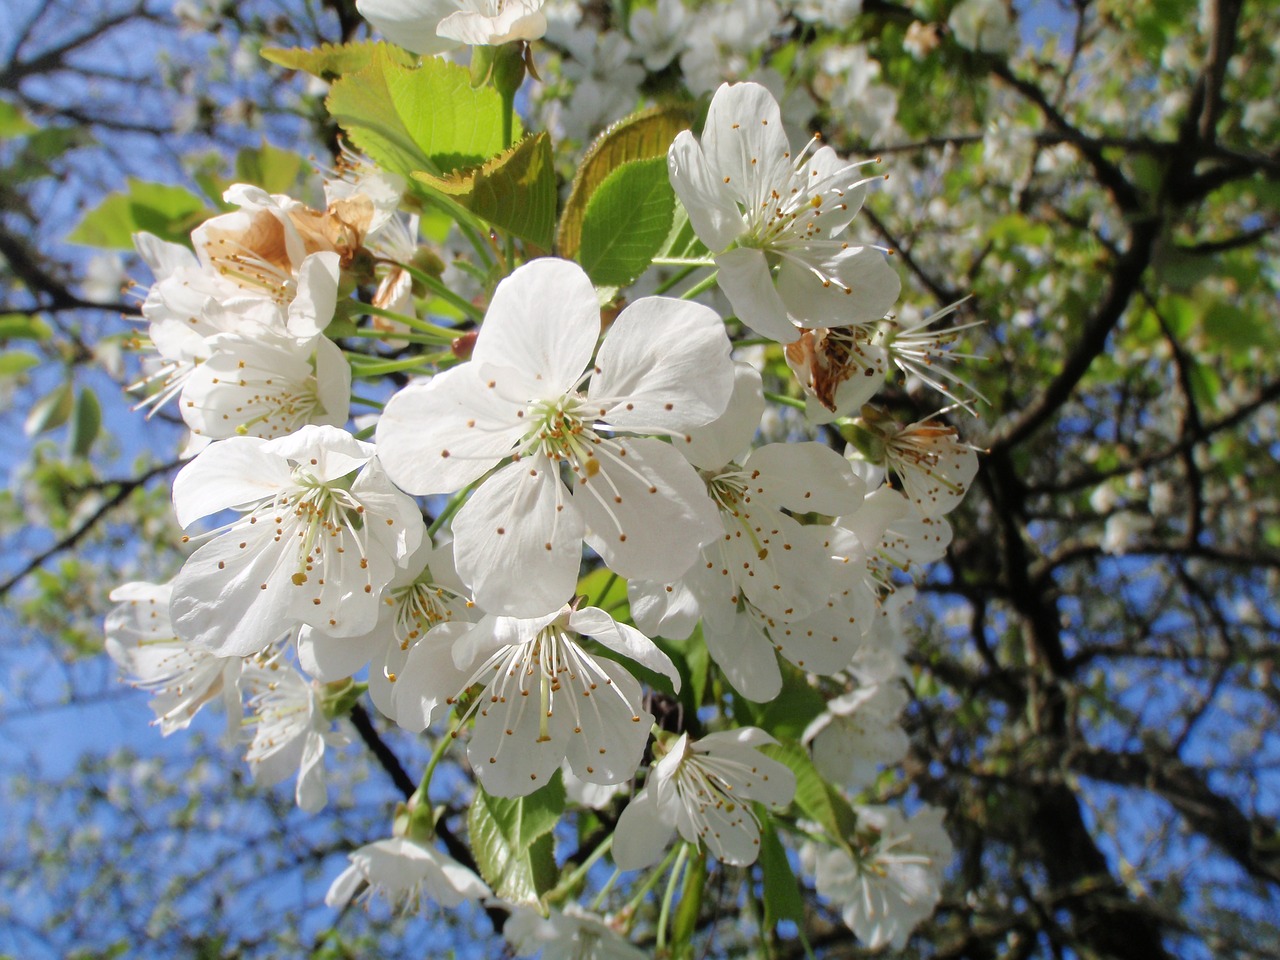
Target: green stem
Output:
[
  {"x": 367, "y": 402},
  {"x": 566, "y": 886},
  {"x": 677, "y": 277},
  {"x": 436, "y": 286},
  {"x": 375, "y": 369},
  {"x": 784, "y": 400},
  {"x": 668, "y": 895},
  {"x": 700, "y": 287},
  {"x": 682, "y": 262},
  {"x": 446, "y": 738},
  {"x": 436, "y": 334},
  {"x": 450, "y": 508},
  {"x": 650, "y": 882},
  {"x": 608, "y": 885}
]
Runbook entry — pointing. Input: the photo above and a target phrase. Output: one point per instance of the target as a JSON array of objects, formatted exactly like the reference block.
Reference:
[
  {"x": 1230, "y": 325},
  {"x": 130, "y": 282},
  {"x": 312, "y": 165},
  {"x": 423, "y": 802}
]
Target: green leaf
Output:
[
  {"x": 86, "y": 421},
  {"x": 512, "y": 842},
  {"x": 782, "y": 897},
  {"x": 515, "y": 191},
  {"x": 167, "y": 211},
  {"x": 51, "y": 411},
  {"x": 13, "y": 122},
  {"x": 14, "y": 362},
  {"x": 627, "y": 222},
  {"x": 816, "y": 798},
  {"x": 641, "y": 136},
  {"x": 795, "y": 706},
  {"x": 332, "y": 60},
  {"x": 417, "y": 119},
  {"x": 1237, "y": 329},
  {"x": 272, "y": 169},
  {"x": 23, "y": 326}
]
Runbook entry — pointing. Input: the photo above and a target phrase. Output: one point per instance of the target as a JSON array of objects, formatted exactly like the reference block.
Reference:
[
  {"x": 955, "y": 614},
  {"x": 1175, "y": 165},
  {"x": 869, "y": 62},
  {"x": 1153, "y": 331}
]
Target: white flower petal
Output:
[
  {"x": 647, "y": 511},
  {"x": 641, "y": 835},
  {"x": 440, "y": 435},
  {"x": 543, "y": 320},
  {"x": 664, "y": 366},
  {"x": 705, "y": 197},
  {"x": 516, "y": 541},
  {"x": 410, "y": 23},
  {"x": 729, "y": 436},
  {"x": 747, "y": 282},
  {"x": 744, "y": 140},
  {"x": 623, "y": 639},
  {"x": 806, "y": 478},
  {"x": 233, "y": 473}
]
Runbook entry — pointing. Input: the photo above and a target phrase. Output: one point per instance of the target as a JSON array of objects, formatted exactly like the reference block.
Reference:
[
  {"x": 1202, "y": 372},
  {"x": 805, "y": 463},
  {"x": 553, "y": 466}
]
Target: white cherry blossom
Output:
[
  {"x": 662, "y": 369},
  {"x": 545, "y": 698},
  {"x": 892, "y": 881},
  {"x": 424, "y": 592},
  {"x": 757, "y": 207},
  {"x": 857, "y": 733},
  {"x": 265, "y": 386},
  {"x": 290, "y": 730},
  {"x": 321, "y": 533},
  {"x": 703, "y": 788},
  {"x": 436, "y": 26},
  {"x": 571, "y": 934},
  {"x": 404, "y": 872},
  {"x": 181, "y": 677}
]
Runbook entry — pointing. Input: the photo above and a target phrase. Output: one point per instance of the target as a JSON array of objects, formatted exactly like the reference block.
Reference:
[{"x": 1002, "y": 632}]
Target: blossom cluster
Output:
[{"x": 546, "y": 439}]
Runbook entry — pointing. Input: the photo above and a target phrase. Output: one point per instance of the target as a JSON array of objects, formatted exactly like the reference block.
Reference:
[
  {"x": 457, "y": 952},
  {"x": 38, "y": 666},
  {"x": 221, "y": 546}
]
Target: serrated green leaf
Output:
[
  {"x": 23, "y": 326},
  {"x": 627, "y": 222},
  {"x": 167, "y": 211},
  {"x": 13, "y": 122},
  {"x": 86, "y": 421},
  {"x": 816, "y": 798},
  {"x": 426, "y": 118},
  {"x": 515, "y": 191},
  {"x": 331, "y": 60},
  {"x": 512, "y": 842},
  {"x": 268, "y": 167},
  {"x": 51, "y": 411},
  {"x": 641, "y": 136},
  {"x": 782, "y": 897},
  {"x": 14, "y": 362}
]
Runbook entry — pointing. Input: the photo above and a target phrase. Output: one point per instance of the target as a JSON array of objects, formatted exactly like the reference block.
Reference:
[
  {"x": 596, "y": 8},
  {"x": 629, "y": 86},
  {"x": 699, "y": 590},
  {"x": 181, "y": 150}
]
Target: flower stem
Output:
[
  {"x": 784, "y": 400},
  {"x": 566, "y": 886},
  {"x": 650, "y": 882},
  {"x": 450, "y": 508},
  {"x": 664, "y": 914},
  {"x": 436, "y": 286},
  {"x": 702, "y": 285}
]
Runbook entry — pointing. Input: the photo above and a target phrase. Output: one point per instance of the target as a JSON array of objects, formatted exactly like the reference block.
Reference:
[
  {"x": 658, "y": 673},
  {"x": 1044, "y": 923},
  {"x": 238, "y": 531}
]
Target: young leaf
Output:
[
  {"x": 512, "y": 842},
  {"x": 268, "y": 167},
  {"x": 627, "y": 222},
  {"x": 13, "y": 122},
  {"x": 50, "y": 412},
  {"x": 86, "y": 421},
  {"x": 426, "y": 118},
  {"x": 15, "y": 362},
  {"x": 641, "y": 136},
  {"x": 515, "y": 191},
  {"x": 167, "y": 211},
  {"x": 330, "y": 60}
]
